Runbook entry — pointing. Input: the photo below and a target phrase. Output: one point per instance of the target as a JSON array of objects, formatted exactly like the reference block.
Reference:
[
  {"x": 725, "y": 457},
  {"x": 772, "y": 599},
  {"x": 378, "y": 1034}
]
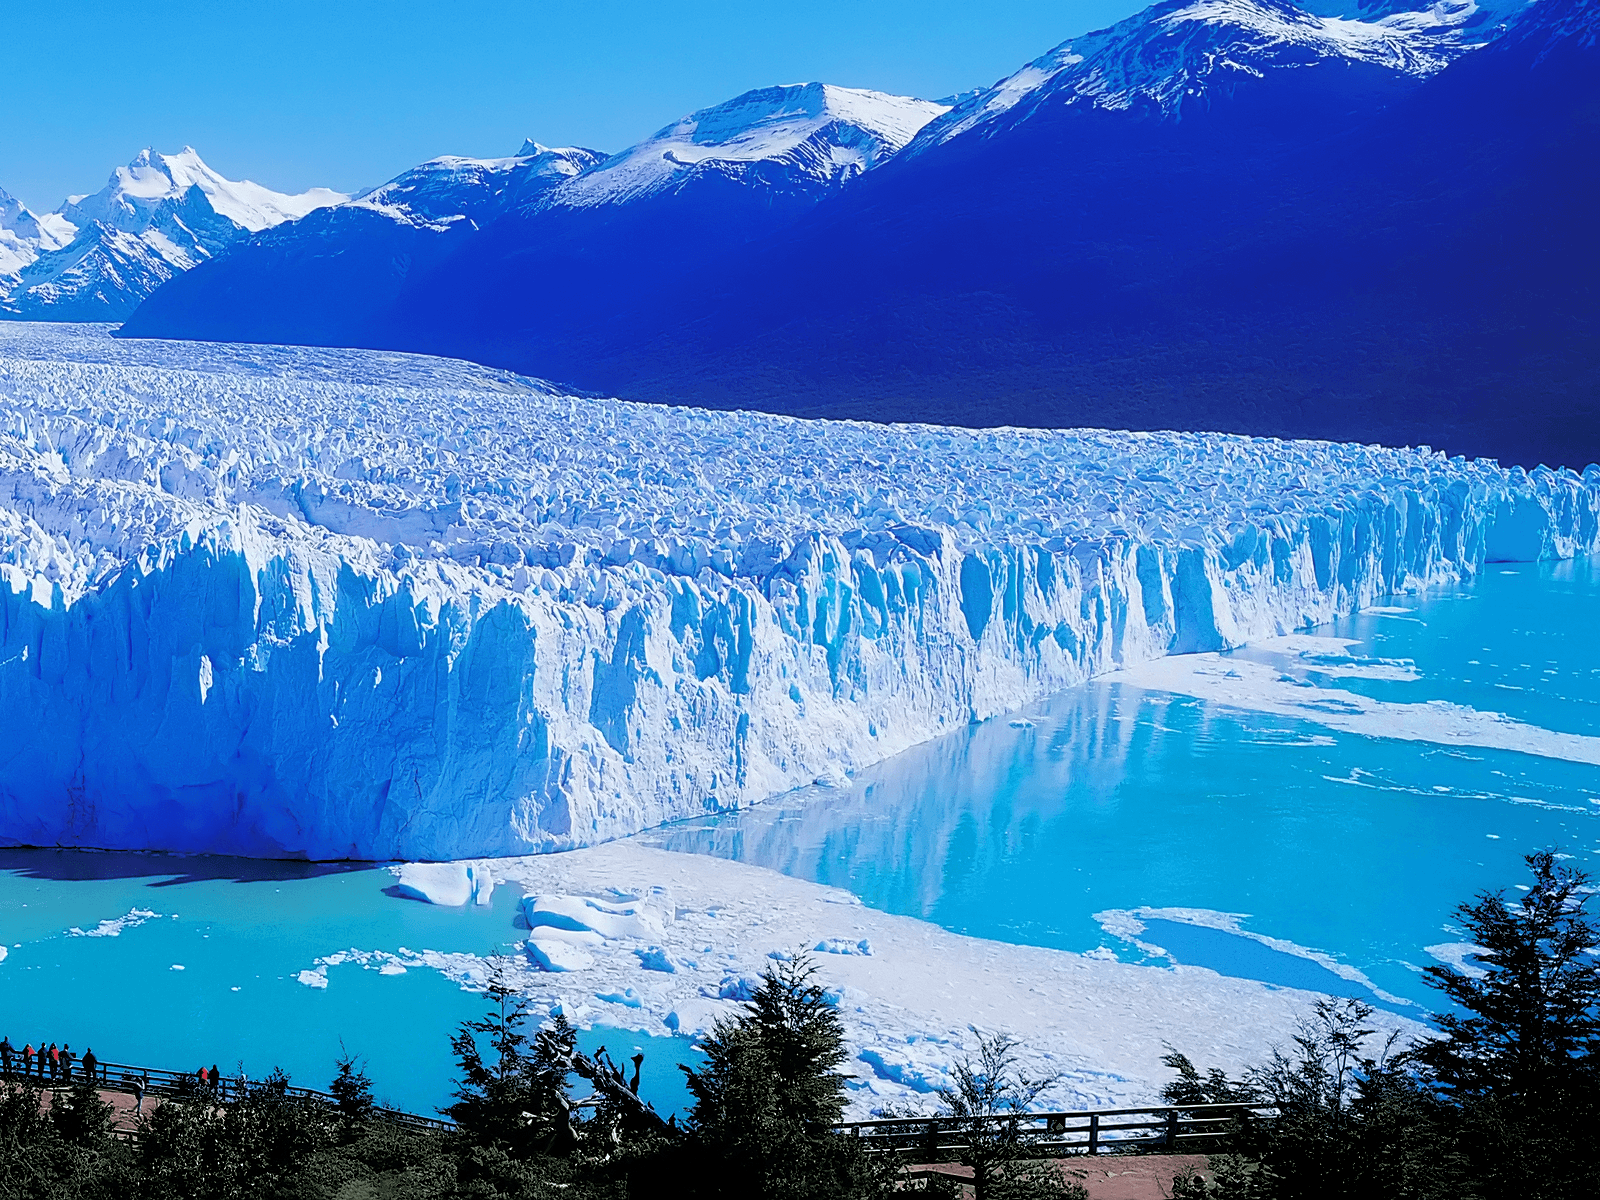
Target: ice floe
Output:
[
  {"x": 114, "y": 926},
  {"x": 1460, "y": 955},
  {"x": 1129, "y": 925},
  {"x": 453, "y": 884},
  {"x": 912, "y": 1008},
  {"x": 1283, "y": 688}
]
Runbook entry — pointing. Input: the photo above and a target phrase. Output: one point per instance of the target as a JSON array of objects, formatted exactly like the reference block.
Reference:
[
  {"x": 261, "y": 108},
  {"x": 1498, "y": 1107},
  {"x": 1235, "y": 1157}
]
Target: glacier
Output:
[{"x": 347, "y": 604}]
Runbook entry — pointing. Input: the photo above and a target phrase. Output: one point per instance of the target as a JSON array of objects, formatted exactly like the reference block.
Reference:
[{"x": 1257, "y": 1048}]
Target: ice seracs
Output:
[
  {"x": 98, "y": 256},
  {"x": 347, "y": 604}
]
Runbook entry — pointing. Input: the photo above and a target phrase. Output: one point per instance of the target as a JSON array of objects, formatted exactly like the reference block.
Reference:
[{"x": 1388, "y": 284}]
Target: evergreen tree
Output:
[
  {"x": 352, "y": 1094},
  {"x": 518, "y": 1099},
  {"x": 79, "y": 1115},
  {"x": 1533, "y": 1007},
  {"x": 768, "y": 1094},
  {"x": 990, "y": 1100}
]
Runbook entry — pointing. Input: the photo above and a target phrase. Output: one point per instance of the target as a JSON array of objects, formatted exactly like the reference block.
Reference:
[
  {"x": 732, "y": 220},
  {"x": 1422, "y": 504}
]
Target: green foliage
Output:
[
  {"x": 1501, "y": 1106},
  {"x": 989, "y": 1101},
  {"x": 352, "y": 1094},
  {"x": 517, "y": 1100},
  {"x": 767, "y": 1096},
  {"x": 80, "y": 1117},
  {"x": 58, "y": 1147},
  {"x": 253, "y": 1146},
  {"x": 1232, "y": 1177},
  {"x": 1533, "y": 1006}
]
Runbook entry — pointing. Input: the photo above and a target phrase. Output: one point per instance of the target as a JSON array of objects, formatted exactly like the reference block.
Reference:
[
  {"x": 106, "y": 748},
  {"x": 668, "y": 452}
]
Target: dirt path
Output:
[{"x": 1107, "y": 1177}]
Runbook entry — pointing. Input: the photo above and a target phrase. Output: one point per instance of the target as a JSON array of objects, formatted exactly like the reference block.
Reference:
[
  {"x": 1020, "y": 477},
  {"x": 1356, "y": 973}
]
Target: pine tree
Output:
[
  {"x": 989, "y": 1102},
  {"x": 518, "y": 1099},
  {"x": 352, "y": 1093},
  {"x": 769, "y": 1093},
  {"x": 1533, "y": 1008}
]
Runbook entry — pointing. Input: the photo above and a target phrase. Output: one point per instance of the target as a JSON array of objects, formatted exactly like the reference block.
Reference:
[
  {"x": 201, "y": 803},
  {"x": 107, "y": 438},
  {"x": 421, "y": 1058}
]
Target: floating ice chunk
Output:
[
  {"x": 449, "y": 884},
  {"x": 843, "y": 946},
  {"x": 1459, "y": 955},
  {"x": 627, "y": 997},
  {"x": 552, "y": 955},
  {"x": 1019, "y": 723},
  {"x": 584, "y": 913},
  {"x": 391, "y": 968},
  {"x": 312, "y": 979},
  {"x": 692, "y": 1017},
  {"x": 482, "y": 884},
  {"x": 576, "y": 937},
  {"x": 3, "y": 953},
  {"x": 177, "y": 966},
  {"x": 115, "y": 925},
  {"x": 657, "y": 959}
]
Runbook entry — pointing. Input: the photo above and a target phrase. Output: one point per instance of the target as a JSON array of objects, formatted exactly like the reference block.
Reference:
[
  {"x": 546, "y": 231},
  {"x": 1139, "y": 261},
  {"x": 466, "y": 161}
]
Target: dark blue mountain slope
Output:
[
  {"x": 1226, "y": 215},
  {"x": 1277, "y": 262}
]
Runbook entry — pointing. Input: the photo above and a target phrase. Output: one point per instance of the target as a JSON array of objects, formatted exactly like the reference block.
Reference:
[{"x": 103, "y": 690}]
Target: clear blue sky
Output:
[{"x": 347, "y": 93}]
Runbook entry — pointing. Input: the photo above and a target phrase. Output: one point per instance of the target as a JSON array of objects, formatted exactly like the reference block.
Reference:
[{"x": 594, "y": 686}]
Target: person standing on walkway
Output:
[
  {"x": 137, "y": 1082},
  {"x": 90, "y": 1062},
  {"x": 27, "y": 1060},
  {"x": 6, "y": 1051},
  {"x": 55, "y": 1062},
  {"x": 66, "y": 1061}
]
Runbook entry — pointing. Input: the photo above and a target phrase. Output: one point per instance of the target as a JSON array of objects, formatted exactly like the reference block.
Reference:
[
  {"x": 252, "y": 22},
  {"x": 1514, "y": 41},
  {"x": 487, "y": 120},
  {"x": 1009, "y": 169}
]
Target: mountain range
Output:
[
  {"x": 1356, "y": 221},
  {"x": 97, "y": 256}
]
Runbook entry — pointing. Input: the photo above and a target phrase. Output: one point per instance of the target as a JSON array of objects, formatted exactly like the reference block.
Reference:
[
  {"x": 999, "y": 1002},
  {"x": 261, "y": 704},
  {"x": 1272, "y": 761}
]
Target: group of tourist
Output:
[{"x": 47, "y": 1062}]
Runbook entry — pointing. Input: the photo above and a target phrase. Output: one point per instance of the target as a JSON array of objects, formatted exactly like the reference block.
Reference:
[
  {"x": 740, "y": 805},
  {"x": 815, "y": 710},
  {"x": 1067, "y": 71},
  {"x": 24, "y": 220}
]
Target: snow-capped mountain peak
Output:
[
  {"x": 152, "y": 179},
  {"x": 1180, "y": 51},
  {"x": 98, "y": 256},
  {"x": 450, "y": 188},
  {"x": 815, "y": 131}
]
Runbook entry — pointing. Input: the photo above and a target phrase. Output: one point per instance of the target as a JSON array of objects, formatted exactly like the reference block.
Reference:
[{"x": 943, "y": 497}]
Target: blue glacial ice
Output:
[{"x": 282, "y": 602}]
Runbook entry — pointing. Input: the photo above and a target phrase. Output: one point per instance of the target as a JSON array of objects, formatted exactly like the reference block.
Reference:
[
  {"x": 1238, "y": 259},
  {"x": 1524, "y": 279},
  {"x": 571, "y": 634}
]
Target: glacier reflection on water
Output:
[{"x": 1111, "y": 798}]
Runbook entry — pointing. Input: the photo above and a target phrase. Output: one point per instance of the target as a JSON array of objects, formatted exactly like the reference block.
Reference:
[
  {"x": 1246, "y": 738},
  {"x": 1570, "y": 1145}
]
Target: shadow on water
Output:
[{"x": 163, "y": 870}]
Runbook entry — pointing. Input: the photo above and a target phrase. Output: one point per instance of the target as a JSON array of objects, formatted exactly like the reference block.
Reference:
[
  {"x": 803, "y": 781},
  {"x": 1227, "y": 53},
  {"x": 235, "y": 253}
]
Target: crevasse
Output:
[{"x": 337, "y": 604}]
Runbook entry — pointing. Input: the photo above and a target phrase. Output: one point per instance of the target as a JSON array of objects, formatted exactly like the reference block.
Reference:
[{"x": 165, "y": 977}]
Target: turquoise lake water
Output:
[
  {"x": 1118, "y": 798},
  {"x": 1113, "y": 798},
  {"x": 241, "y": 931}
]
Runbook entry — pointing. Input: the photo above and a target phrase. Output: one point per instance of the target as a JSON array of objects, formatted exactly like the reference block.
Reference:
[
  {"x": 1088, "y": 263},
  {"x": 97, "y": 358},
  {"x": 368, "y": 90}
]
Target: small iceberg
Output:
[
  {"x": 550, "y": 954},
  {"x": 453, "y": 885},
  {"x": 583, "y": 914}
]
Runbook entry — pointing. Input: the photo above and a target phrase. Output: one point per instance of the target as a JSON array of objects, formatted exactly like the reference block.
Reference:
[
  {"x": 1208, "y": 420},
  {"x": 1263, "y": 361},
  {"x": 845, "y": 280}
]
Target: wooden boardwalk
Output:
[
  {"x": 120, "y": 1084},
  {"x": 1169, "y": 1129}
]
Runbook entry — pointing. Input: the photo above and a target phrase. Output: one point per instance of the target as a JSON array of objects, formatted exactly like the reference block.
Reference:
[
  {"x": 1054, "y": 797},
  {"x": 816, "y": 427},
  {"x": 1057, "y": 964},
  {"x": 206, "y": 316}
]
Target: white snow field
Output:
[
  {"x": 638, "y": 938},
  {"x": 279, "y": 602}
]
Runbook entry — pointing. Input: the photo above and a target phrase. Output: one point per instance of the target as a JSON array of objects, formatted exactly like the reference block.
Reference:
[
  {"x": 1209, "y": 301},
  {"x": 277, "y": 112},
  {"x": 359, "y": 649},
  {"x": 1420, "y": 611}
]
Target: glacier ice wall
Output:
[{"x": 343, "y": 604}]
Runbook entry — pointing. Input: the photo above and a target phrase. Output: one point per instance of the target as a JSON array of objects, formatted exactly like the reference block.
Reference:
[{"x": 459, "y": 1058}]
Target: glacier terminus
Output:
[{"x": 354, "y": 604}]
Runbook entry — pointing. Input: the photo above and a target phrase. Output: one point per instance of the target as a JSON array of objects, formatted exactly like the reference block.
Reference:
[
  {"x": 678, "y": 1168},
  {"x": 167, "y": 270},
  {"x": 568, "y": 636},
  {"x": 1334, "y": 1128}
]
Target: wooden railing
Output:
[
  {"x": 153, "y": 1081},
  {"x": 1048, "y": 1134}
]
